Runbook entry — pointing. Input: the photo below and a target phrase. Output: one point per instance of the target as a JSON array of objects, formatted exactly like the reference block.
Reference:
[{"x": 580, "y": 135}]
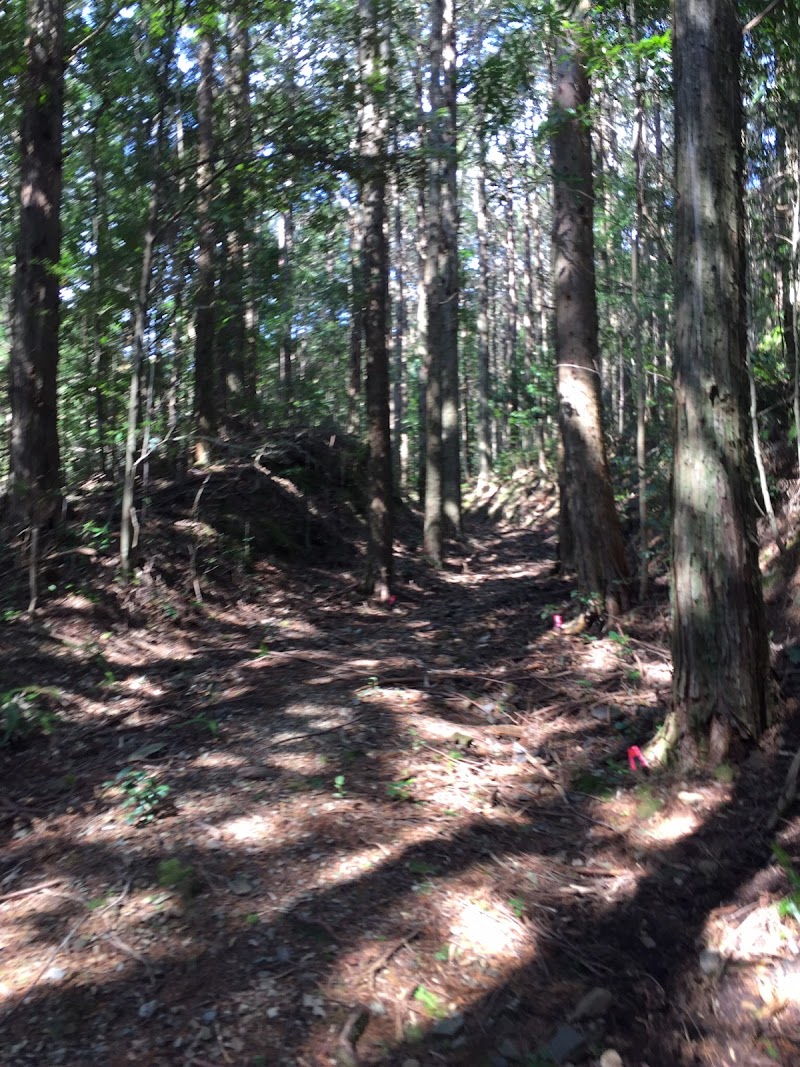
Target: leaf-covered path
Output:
[{"x": 288, "y": 827}]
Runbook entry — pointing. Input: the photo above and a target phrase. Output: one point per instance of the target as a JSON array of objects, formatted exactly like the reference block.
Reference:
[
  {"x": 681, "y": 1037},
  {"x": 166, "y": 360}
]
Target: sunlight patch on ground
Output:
[
  {"x": 673, "y": 828},
  {"x": 489, "y": 928}
]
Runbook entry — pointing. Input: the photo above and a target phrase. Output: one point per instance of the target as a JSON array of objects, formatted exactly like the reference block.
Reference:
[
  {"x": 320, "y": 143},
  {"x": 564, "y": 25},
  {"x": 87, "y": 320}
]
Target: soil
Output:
[{"x": 249, "y": 817}]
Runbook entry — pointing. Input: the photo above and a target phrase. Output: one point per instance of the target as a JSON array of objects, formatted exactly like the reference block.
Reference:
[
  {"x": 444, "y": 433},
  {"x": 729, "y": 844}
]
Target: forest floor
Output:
[{"x": 279, "y": 825}]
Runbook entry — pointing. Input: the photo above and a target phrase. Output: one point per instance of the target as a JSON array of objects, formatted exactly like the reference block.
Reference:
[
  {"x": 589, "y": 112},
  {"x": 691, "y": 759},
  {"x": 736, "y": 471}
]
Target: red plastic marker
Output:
[{"x": 634, "y": 754}]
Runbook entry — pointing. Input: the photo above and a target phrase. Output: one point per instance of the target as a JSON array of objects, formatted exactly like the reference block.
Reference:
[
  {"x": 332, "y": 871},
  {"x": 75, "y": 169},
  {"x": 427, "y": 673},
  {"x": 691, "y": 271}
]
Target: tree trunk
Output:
[
  {"x": 128, "y": 530},
  {"x": 482, "y": 218},
  {"x": 400, "y": 436},
  {"x": 374, "y": 126},
  {"x": 641, "y": 384},
  {"x": 599, "y": 552},
  {"x": 356, "y": 311},
  {"x": 451, "y": 436},
  {"x": 435, "y": 297},
  {"x": 238, "y": 383},
  {"x": 204, "y": 373},
  {"x": 35, "y": 467},
  {"x": 719, "y": 639},
  {"x": 512, "y": 320}
]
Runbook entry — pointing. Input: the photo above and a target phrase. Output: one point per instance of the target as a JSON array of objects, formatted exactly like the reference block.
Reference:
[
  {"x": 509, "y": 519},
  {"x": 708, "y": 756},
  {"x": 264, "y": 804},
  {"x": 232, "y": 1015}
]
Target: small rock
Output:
[
  {"x": 377, "y": 1007},
  {"x": 240, "y": 886},
  {"x": 602, "y": 713},
  {"x": 689, "y": 798},
  {"x": 55, "y": 974},
  {"x": 566, "y": 1042},
  {"x": 449, "y": 1027},
  {"x": 410, "y": 1063},
  {"x": 148, "y": 1009},
  {"x": 611, "y": 1058},
  {"x": 208, "y": 1016},
  {"x": 496, "y": 1060},
  {"x": 711, "y": 962},
  {"x": 593, "y": 1004}
]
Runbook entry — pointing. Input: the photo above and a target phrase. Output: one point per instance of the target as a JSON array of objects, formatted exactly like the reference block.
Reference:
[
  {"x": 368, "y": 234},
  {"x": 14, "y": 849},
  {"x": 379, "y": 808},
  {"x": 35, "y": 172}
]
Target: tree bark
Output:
[
  {"x": 204, "y": 372},
  {"x": 35, "y": 464},
  {"x": 374, "y": 26},
  {"x": 435, "y": 297},
  {"x": 588, "y": 506},
  {"x": 482, "y": 218},
  {"x": 238, "y": 381},
  {"x": 719, "y": 639},
  {"x": 451, "y": 435}
]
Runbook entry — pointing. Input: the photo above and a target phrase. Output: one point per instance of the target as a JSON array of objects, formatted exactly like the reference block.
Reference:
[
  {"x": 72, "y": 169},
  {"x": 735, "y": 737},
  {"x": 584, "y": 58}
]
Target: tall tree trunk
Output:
[
  {"x": 435, "y": 297},
  {"x": 451, "y": 436},
  {"x": 354, "y": 371},
  {"x": 641, "y": 383},
  {"x": 719, "y": 639},
  {"x": 128, "y": 530},
  {"x": 512, "y": 320},
  {"x": 400, "y": 436},
  {"x": 35, "y": 462},
  {"x": 482, "y": 218},
  {"x": 204, "y": 371},
  {"x": 374, "y": 26},
  {"x": 101, "y": 355},
  {"x": 599, "y": 552},
  {"x": 238, "y": 383}
]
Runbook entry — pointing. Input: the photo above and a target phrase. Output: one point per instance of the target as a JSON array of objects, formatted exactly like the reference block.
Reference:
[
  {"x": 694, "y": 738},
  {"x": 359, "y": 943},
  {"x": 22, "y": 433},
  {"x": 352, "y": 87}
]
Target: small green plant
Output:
[
  {"x": 431, "y": 1002},
  {"x": 145, "y": 797},
  {"x": 262, "y": 651},
  {"x": 97, "y": 534},
  {"x": 789, "y": 906},
  {"x": 648, "y": 804},
  {"x": 517, "y": 905},
  {"x": 422, "y": 867},
  {"x": 174, "y": 874},
  {"x": 339, "y": 790},
  {"x": 620, "y": 639},
  {"x": 21, "y": 715},
  {"x": 401, "y": 789},
  {"x": 203, "y": 722}
]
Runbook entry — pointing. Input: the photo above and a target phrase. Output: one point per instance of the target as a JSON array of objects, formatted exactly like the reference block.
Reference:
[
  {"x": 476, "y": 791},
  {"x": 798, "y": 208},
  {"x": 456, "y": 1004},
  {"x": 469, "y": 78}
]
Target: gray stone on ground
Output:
[
  {"x": 611, "y": 1058},
  {"x": 592, "y": 1004},
  {"x": 566, "y": 1042},
  {"x": 449, "y": 1027}
]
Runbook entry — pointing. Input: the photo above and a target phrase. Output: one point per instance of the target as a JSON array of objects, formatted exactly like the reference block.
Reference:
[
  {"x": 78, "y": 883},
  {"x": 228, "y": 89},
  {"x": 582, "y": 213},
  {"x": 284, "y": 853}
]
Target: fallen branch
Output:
[{"x": 29, "y": 891}]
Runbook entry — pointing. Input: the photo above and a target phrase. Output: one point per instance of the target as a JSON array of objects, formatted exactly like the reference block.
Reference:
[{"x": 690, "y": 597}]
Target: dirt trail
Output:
[{"x": 368, "y": 836}]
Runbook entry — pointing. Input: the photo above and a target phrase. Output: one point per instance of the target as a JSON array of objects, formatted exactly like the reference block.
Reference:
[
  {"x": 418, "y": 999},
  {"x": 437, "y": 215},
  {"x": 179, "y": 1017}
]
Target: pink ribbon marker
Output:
[
  {"x": 634, "y": 754},
  {"x": 558, "y": 622}
]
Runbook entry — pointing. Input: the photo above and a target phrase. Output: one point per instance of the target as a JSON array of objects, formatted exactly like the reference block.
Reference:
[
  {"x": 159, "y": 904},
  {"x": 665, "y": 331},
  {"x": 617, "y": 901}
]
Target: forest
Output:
[{"x": 400, "y": 523}]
